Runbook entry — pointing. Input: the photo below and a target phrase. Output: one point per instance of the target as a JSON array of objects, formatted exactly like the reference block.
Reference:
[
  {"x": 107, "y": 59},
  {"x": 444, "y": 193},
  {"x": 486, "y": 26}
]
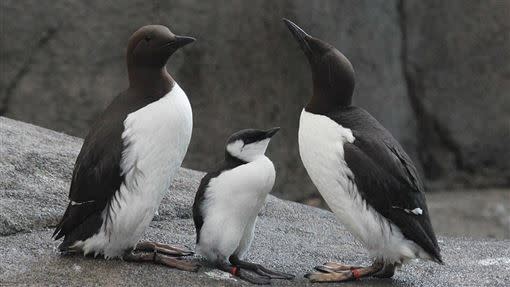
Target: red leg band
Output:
[
  {"x": 356, "y": 273},
  {"x": 234, "y": 270}
]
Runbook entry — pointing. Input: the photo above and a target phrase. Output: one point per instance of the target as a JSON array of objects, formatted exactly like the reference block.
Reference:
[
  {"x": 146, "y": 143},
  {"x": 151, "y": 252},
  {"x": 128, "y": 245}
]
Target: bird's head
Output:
[
  {"x": 332, "y": 73},
  {"x": 247, "y": 145},
  {"x": 151, "y": 46}
]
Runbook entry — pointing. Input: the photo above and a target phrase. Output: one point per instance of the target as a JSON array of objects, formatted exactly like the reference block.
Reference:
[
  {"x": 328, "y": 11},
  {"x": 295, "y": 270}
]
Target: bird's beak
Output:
[
  {"x": 271, "y": 132},
  {"x": 300, "y": 35},
  {"x": 181, "y": 41}
]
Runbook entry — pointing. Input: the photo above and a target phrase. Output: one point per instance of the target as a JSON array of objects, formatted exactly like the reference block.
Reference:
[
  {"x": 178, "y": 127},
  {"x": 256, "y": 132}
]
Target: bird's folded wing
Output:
[
  {"x": 198, "y": 218},
  {"x": 96, "y": 178},
  {"x": 388, "y": 182}
]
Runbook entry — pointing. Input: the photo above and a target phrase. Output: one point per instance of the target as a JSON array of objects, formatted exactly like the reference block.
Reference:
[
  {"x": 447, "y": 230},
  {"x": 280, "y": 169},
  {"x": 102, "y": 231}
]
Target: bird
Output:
[
  {"x": 128, "y": 159},
  {"x": 361, "y": 171},
  {"x": 227, "y": 204}
]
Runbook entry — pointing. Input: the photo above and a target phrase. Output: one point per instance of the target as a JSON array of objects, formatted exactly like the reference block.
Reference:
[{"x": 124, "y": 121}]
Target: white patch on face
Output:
[
  {"x": 321, "y": 142},
  {"x": 248, "y": 152}
]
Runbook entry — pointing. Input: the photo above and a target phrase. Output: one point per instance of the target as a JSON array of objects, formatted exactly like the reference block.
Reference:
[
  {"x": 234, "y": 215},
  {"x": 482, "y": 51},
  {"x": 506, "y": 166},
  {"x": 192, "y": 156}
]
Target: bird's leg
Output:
[
  {"x": 346, "y": 275},
  {"x": 387, "y": 271},
  {"x": 171, "y": 250},
  {"x": 259, "y": 269},
  {"x": 330, "y": 267},
  {"x": 244, "y": 274},
  {"x": 161, "y": 259}
]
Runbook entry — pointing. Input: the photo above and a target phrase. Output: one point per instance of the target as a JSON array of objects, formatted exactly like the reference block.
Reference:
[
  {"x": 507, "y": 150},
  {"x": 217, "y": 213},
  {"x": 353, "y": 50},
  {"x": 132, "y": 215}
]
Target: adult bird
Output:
[
  {"x": 129, "y": 157},
  {"x": 362, "y": 172}
]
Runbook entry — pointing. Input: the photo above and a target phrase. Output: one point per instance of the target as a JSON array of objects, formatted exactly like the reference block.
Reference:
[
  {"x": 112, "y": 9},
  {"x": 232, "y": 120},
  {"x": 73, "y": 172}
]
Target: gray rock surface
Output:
[
  {"x": 435, "y": 73},
  {"x": 458, "y": 69},
  {"x": 35, "y": 171},
  {"x": 244, "y": 71},
  {"x": 476, "y": 213}
]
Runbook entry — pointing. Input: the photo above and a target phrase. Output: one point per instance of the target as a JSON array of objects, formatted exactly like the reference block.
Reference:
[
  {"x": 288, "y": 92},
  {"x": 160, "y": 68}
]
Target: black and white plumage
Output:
[
  {"x": 362, "y": 172},
  {"x": 130, "y": 154},
  {"x": 228, "y": 201}
]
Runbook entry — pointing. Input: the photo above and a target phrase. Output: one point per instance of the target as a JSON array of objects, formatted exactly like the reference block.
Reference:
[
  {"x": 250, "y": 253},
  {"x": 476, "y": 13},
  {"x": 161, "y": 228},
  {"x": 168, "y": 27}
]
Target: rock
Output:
[
  {"x": 478, "y": 214},
  {"x": 35, "y": 171},
  {"x": 268, "y": 87},
  {"x": 459, "y": 77},
  {"x": 435, "y": 73},
  {"x": 244, "y": 71}
]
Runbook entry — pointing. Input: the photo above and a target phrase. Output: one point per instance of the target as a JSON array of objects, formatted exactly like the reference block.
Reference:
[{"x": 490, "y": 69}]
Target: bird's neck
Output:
[
  {"x": 330, "y": 91},
  {"x": 323, "y": 103},
  {"x": 154, "y": 81},
  {"x": 231, "y": 160}
]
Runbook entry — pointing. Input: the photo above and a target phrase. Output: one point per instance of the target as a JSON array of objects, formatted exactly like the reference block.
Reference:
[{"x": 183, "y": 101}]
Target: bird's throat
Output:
[{"x": 156, "y": 81}]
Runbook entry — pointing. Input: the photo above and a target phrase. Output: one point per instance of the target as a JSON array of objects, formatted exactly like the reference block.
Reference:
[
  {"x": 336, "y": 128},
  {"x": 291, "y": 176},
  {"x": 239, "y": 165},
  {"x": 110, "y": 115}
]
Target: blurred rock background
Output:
[{"x": 435, "y": 73}]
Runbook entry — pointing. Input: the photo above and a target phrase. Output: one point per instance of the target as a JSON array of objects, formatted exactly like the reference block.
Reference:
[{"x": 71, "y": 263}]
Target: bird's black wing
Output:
[
  {"x": 198, "y": 218},
  {"x": 96, "y": 177},
  {"x": 388, "y": 181}
]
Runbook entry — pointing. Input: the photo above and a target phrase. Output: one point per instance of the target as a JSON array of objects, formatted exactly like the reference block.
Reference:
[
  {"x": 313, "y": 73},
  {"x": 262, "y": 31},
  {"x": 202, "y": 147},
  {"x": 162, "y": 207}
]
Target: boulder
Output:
[
  {"x": 435, "y": 73},
  {"x": 244, "y": 71},
  {"x": 458, "y": 70},
  {"x": 35, "y": 171}
]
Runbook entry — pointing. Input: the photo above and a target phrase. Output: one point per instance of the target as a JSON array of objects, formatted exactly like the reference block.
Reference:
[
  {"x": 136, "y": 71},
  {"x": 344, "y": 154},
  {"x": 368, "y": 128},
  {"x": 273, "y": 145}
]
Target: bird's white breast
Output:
[
  {"x": 155, "y": 139},
  {"x": 231, "y": 204},
  {"x": 321, "y": 142}
]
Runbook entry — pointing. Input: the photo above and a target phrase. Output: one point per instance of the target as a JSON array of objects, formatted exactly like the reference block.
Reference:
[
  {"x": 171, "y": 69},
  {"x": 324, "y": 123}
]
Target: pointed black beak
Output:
[
  {"x": 181, "y": 41},
  {"x": 300, "y": 35},
  {"x": 271, "y": 132}
]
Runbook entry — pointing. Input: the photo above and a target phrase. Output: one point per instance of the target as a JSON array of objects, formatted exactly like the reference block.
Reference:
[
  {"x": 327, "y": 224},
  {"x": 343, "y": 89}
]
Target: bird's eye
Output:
[{"x": 147, "y": 38}]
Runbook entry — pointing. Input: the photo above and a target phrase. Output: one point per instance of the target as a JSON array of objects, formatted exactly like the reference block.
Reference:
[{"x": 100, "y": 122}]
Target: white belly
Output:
[
  {"x": 155, "y": 139},
  {"x": 230, "y": 208},
  {"x": 321, "y": 143}
]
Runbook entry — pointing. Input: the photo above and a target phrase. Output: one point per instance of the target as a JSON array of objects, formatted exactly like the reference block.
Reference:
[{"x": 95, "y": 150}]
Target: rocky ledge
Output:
[{"x": 35, "y": 169}]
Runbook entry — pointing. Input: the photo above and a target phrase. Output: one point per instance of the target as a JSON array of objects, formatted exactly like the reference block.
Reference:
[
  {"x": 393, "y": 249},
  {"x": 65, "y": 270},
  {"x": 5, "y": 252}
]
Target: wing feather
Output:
[
  {"x": 388, "y": 181},
  {"x": 96, "y": 178}
]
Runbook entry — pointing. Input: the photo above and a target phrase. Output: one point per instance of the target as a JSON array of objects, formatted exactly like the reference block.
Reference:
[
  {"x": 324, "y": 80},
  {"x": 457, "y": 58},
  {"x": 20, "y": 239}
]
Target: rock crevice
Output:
[{"x": 25, "y": 69}]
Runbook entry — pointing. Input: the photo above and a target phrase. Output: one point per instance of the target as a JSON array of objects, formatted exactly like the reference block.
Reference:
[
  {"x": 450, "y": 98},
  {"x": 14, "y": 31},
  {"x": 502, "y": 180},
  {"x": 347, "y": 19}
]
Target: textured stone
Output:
[
  {"x": 244, "y": 71},
  {"x": 458, "y": 70},
  {"x": 473, "y": 213},
  {"x": 35, "y": 171},
  {"x": 435, "y": 73}
]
